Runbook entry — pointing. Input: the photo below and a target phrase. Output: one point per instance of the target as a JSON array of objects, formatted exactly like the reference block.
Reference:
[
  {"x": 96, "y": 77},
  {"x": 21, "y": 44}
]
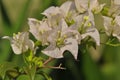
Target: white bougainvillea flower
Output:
[
  {"x": 108, "y": 25},
  {"x": 95, "y": 6},
  {"x": 54, "y": 15},
  {"x": 70, "y": 44},
  {"x": 39, "y": 29},
  {"x": 20, "y": 42},
  {"x": 52, "y": 11},
  {"x": 92, "y": 32},
  {"x": 86, "y": 26},
  {"x": 83, "y": 20},
  {"x": 112, "y": 26},
  {"x": 67, "y": 7},
  {"x": 117, "y": 25},
  {"x": 60, "y": 42},
  {"x": 84, "y": 5},
  {"x": 69, "y": 11},
  {"x": 114, "y": 9},
  {"x": 117, "y": 2}
]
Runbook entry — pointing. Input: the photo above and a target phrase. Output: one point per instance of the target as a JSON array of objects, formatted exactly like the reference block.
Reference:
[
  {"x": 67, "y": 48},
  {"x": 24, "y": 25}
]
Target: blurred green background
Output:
[{"x": 100, "y": 64}]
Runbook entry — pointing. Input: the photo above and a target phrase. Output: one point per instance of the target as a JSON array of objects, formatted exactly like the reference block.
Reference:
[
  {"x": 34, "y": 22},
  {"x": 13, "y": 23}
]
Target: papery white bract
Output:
[
  {"x": 81, "y": 5},
  {"x": 114, "y": 9},
  {"x": 67, "y": 7},
  {"x": 54, "y": 15},
  {"x": 92, "y": 32},
  {"x": 20, "y": 42},
  {"x": 86, "y": 26},
  {"x": 60, "y": 42},
  {"x": 108, "y": 25},
  {"x": 84, "y": 5},
  {"x": 39, "y": 29},
  {"x": 112, "y": 26},
  {"x": 68, "y": 10},
  {"x": 56, "y": 52}
]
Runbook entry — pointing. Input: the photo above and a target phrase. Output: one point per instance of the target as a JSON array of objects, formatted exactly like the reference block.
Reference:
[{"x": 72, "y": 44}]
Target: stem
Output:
[
  {"x": 58, "y": 67},
  {"x": 48, "y": 60}
]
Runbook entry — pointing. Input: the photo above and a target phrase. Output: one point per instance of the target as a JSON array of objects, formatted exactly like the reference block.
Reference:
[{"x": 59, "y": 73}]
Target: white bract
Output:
[
  {"x": 86, "y": 26},
  {"x": 67, "y": 11},
  {"x": 114, "y": 9},
  {"x": 20, "y": 42},
  {"x": 39, "y": 29},
  {"x": 54, "y": 15},
  {"x": 60, "y": 42},
  {"x": 63, "y": 27},
  {"x": 83, "y": 5},
  {"x": 112, "y": 26}
]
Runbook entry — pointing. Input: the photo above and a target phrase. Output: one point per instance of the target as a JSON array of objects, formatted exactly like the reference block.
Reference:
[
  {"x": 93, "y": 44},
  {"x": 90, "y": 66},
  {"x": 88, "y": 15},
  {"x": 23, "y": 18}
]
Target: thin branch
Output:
[
  {"x": 48, "y": 60},
  {"x": 58, "y": 67},
  {"x": 52, "y": 67}
]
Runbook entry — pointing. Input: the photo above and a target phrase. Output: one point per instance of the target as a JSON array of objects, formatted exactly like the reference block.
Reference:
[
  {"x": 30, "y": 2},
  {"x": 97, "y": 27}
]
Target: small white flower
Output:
[
  {"x": 67, "y": 7},
  {"x": 86, "y": 26},
  {"x": 117, "y": 2},
  {"x": 68, "y": 10},
  {"x": 92, "y": 32},
  {"x": 39, "y": 29},
  {"x": 60, "y": 41},
  {"x": 56, "y": 52},
  {"x": 84, "y": 5},
  {"x": 54, "y": 15},
  {"x": 114, "y": 9},
  {"x": 112, "y": 26},
  {"x": 108, "y": 25},
  {"x": 20, "y": 42}
]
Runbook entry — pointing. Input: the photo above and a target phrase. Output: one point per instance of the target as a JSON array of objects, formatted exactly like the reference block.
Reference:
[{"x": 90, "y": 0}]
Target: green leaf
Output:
[
  {"x": 23, "y": 77},
  {"x": 105, "y": 11},
  {"x": 31, "y": 71},
  {"x": 38, "y": 61},
  {"x": 45, "y": 75},
  {"x": 7, "y": 66},
  {"x": 91, "y": 70},
  {"x": 39, "y": 77}
]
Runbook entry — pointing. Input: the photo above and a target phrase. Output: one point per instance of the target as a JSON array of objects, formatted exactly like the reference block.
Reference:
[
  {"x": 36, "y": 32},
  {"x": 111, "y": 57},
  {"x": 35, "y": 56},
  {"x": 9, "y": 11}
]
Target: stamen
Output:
[
  {"x": 86, "y": 18},
  {"x": 89, "y": 24}
]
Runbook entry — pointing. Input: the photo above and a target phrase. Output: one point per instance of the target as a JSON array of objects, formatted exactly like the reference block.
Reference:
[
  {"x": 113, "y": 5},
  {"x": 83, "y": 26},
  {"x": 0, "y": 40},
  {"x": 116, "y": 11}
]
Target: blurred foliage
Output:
[{"x": 100, "y": 64}]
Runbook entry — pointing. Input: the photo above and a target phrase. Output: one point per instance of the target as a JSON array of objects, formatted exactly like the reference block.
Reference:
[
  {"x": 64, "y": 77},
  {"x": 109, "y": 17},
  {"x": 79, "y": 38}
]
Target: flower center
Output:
[{"x": 60, "y": 40}]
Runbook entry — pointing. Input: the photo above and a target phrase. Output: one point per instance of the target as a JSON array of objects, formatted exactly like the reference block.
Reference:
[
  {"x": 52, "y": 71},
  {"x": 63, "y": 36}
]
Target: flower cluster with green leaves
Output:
[{"x": 65, "y": 28}]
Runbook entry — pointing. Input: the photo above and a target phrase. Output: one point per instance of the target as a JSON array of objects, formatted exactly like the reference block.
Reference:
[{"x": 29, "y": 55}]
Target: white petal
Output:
[
  {"x": 117, "y": 20},
  {"x": 91, "y": 17},
  {"x": 65, "y": 7},
  {"x": 93, "y": 4},
  {"x": 53, "y": 52},
  {"x": 78, "y": 19},
  {"x": 63, "y": 24},
  {"x": 72, "y": 46},
  {"x": 93, "y": 32},
  {"x": 81, "y": 5},
  {"x": 34, "y": 27},
  {"x": 107, "y": 25},
  {"x": 117, "y": 2},
  {"x": 7, "y": 37},
  {"x": 31, "y": 45},
  {"x": 53, "y": 34},
  {"x": 51, "y": 11},
  {"x": 16, "y": 49}
]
